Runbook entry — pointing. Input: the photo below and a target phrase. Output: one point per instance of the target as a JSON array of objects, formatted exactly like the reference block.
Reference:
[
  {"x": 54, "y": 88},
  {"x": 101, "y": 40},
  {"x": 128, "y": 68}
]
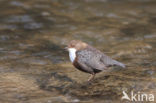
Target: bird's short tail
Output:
[{"x": 119, "y": 64}]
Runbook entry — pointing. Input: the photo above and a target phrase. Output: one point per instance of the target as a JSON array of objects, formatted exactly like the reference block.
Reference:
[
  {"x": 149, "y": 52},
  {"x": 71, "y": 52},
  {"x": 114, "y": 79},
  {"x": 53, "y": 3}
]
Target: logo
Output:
[{"x": 139, "y": 96}]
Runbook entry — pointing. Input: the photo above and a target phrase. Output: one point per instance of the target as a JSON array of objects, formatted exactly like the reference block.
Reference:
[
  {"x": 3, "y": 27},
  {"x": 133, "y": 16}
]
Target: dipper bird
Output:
[{"x": 88, "y": 59}]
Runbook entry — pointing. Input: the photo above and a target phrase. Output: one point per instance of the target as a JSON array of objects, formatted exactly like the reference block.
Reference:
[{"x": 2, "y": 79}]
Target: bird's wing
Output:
[
  {"x": 110, "y": 62},
  {"x": 91, "y": 59},
  {"x": 84, "y": 67}
]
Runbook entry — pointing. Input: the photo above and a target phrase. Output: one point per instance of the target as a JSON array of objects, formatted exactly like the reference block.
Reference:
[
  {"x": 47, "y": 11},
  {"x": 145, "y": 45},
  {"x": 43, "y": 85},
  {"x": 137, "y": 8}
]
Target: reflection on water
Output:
[{"x": 35, "y": 67}]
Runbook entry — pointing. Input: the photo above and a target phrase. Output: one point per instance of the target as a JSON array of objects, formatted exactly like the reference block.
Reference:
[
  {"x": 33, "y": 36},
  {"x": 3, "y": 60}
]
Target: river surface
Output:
[{"x": 34, "y": 68}]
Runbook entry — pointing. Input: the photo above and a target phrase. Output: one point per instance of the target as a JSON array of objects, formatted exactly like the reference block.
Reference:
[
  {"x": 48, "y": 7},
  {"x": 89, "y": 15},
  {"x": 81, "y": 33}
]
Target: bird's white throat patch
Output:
[{"x": 72, "y": 54}]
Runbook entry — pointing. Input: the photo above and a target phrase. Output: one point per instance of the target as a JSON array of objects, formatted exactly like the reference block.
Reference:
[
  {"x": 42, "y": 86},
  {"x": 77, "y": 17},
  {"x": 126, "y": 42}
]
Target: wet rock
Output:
[
  {"x": 20, "y": 19},
  {"x": 33, "y": 61},
  {"x": 33, "y": 25},
  {"x": 19, "y": 4},
  {"x": 9, "y": 27},
  {"x": 131, "y": 30}
]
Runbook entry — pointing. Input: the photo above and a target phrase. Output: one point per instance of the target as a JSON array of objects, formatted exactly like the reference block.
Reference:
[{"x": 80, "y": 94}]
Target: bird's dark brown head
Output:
[{"x": 77, "y": 44}]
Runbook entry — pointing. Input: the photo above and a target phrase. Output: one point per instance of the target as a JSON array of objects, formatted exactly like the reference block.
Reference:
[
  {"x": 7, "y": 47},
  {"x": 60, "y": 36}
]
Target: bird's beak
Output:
[{"x": 66, "y": 48}]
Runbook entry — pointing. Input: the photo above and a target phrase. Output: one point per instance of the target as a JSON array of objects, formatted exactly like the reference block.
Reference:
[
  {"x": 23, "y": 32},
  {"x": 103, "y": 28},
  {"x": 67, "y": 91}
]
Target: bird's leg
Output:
[{"x": 91, "y": 77}]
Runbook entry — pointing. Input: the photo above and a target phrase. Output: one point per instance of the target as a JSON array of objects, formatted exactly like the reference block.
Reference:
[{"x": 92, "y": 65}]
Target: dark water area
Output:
[{"x": 34, "y": 68}]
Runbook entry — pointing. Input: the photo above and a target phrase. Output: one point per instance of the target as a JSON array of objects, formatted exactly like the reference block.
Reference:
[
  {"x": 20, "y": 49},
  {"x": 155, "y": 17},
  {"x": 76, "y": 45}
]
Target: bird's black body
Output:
[{"x": 92, "y": 61}]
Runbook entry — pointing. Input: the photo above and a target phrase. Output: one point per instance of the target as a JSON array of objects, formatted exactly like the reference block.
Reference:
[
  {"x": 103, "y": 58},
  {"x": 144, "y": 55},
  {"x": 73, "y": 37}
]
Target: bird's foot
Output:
[{"x": 91, "y": 77}]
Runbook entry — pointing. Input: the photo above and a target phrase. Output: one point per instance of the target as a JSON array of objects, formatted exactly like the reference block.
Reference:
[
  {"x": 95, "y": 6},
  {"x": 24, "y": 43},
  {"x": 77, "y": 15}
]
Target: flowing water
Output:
[{"x": 34, "y": 68}]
